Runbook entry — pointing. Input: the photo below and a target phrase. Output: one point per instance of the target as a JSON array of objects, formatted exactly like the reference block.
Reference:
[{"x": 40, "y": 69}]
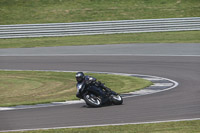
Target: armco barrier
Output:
[{"x": 99, "y": 27}]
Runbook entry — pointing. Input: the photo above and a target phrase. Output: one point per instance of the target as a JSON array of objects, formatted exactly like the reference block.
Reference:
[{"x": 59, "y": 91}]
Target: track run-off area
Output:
[{"x": 179, "y": 62}]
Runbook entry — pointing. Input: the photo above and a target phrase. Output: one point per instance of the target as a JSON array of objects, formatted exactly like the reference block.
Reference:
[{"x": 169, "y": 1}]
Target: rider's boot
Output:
[{"x": 108, "y": 90}]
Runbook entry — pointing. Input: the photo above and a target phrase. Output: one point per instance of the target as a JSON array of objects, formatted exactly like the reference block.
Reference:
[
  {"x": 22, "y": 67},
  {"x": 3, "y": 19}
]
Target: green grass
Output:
[
  {"x": 33, "y": 87},
  {"x": 160, "y": 37},
  {"x": 54, "y": 11},
  {"x": 167, "y": 127}
]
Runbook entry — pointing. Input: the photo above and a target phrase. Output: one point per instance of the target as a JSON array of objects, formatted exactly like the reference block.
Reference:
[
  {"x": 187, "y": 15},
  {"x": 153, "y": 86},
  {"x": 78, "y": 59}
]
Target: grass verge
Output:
[
  {"x": 54, "y": 11},
  {"x": 167, "y": 127},
  {"x": 34, "y": 87},
  {"x": 157, "y": 37}
]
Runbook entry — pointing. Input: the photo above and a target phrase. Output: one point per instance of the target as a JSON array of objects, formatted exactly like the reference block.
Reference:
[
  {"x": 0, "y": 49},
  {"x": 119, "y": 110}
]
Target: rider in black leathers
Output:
[{"x": 80, "y": 77}]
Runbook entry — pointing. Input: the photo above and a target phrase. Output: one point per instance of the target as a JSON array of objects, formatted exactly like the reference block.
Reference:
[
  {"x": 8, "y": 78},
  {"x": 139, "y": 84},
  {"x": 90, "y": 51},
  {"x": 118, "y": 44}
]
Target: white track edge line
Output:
[{"x": 151, "y": 55}]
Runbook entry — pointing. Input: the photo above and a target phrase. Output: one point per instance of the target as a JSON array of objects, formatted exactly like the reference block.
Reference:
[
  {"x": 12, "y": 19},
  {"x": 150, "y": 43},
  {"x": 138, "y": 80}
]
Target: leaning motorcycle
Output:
[{"x": 94, "y": 98}]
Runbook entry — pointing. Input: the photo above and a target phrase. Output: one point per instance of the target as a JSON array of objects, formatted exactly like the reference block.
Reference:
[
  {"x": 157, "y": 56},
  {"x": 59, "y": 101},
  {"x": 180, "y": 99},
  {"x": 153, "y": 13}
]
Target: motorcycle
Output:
[{"x": 95, "y": 96}]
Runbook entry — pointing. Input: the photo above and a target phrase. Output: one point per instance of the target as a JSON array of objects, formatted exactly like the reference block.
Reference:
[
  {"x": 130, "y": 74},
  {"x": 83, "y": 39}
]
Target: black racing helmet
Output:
[{"x": 80, "y": 77}]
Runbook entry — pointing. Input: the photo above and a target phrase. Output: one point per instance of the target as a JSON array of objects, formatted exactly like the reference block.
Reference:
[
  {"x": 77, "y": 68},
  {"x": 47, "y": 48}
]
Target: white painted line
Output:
[
  {"x": 102, "y": 125},
  {"x": 5, "y": 108},
  {"x": 153, "y": 79},
  {"x": 69, "y": 102},
  {"x": 144, "y": 92},
  {"x": 151, "y": 55},
  {"x": 41, "y": 105},
  {"x": 162, "y": 84}
]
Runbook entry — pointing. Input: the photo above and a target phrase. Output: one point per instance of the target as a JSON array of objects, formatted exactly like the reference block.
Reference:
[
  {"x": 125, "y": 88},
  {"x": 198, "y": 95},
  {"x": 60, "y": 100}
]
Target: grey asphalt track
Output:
[
  {"x": 149, "y": 49},
  {"x": 182, "y": 102}
]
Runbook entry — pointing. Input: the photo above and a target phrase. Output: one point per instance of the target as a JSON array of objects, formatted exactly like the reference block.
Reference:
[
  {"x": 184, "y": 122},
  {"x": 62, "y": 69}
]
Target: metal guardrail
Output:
[{"x": 99, "y": 27}]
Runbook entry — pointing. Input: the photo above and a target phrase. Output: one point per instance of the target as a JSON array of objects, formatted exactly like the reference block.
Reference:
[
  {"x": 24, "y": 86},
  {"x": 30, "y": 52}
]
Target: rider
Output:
[{"x": 80, "y": 77}]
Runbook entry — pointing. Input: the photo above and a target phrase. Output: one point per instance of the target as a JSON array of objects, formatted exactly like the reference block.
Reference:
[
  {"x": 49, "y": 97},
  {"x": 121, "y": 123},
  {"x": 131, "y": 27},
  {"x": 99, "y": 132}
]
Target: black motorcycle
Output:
[{"x": 95, "y": 96}]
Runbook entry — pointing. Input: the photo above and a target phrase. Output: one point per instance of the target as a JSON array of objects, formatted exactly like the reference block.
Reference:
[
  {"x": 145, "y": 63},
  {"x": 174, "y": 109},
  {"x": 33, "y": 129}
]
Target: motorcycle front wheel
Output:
[
  {"x": 116, "y": 99},
  {"x": 92, "y": 100}
]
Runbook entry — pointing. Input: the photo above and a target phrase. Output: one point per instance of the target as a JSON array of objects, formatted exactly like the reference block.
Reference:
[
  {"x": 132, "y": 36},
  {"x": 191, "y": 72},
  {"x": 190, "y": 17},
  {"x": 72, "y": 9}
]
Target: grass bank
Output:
[
  {"x": 168, "y": 127},
  {"x": 33, "y": 87},
  {"x": 157, "y": 37},
  {"x": 54, "y": 11}
]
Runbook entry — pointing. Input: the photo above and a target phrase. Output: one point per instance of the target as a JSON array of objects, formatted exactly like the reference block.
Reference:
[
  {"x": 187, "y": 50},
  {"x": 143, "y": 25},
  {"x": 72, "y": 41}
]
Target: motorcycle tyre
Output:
[
  {"x": 116, "y": 101},
  {"x": 91, "y": 104}
]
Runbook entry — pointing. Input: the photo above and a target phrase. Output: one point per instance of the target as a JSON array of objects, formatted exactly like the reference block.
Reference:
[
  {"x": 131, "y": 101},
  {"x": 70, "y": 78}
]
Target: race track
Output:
[{"x": 182, "y": 102}]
